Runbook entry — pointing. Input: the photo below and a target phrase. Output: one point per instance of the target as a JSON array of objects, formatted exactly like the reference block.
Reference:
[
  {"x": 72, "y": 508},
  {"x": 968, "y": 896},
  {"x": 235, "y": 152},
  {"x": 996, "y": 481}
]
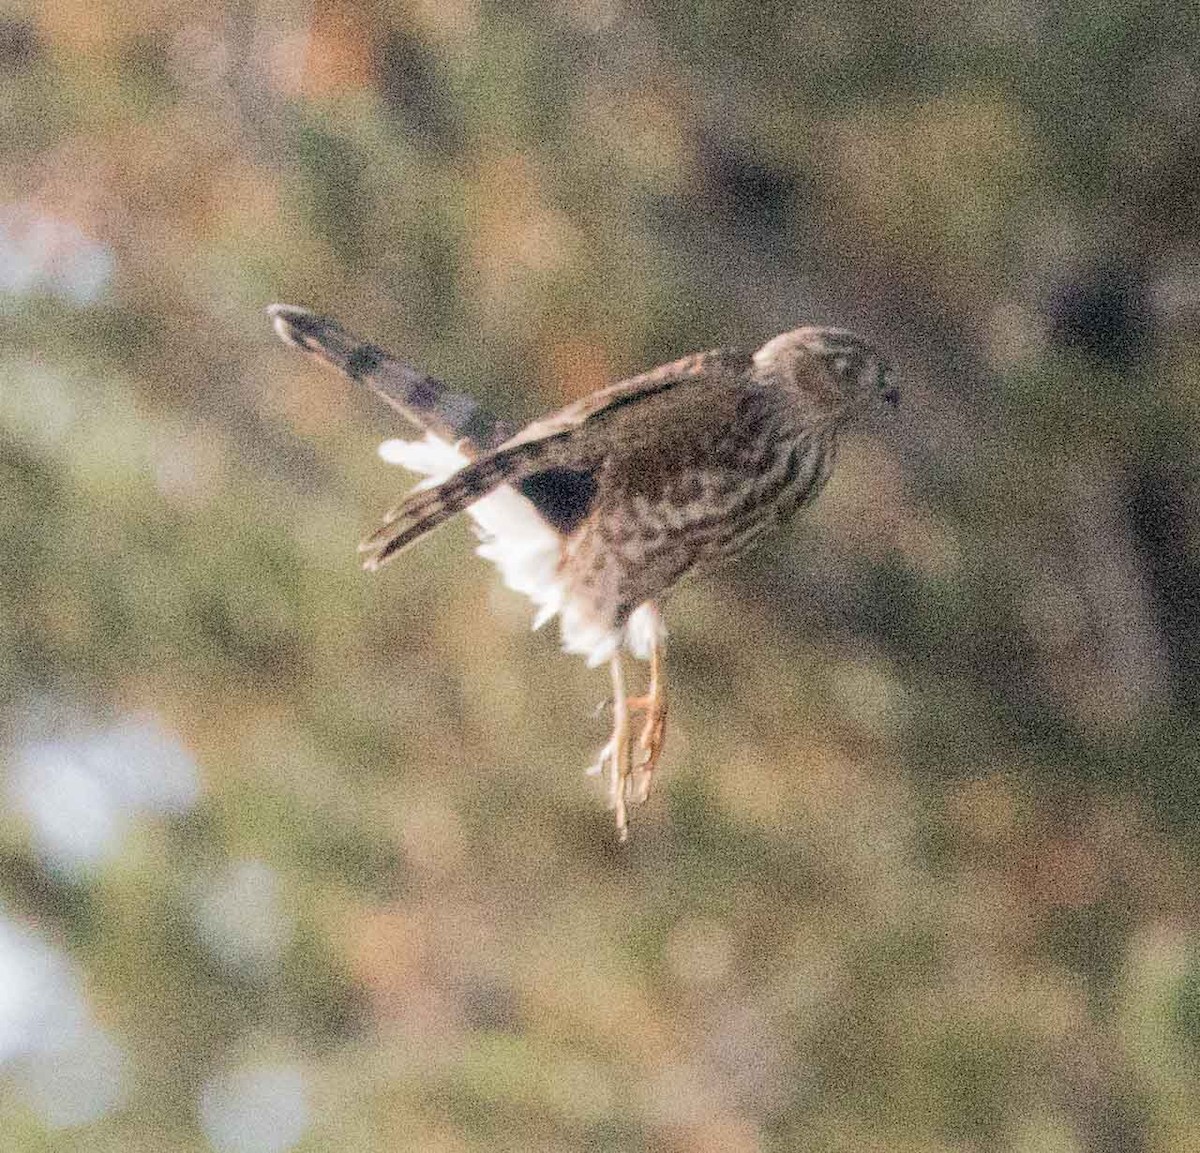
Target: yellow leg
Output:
[
  {"x": 630, "y": 772},
  {"x": 654, "y": 732},
  {"x": 618, "y": 753}
]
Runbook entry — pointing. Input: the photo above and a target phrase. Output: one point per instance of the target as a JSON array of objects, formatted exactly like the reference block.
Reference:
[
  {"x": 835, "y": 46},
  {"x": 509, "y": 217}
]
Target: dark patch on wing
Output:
[
  {"x": 364, "y": 360},
  {"x": 425, "y": 394},
  {"x": 563, "y": 496}
]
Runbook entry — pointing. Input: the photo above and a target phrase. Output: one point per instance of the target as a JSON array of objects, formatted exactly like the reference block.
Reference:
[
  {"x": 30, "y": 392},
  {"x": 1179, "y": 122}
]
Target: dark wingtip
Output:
[
  {"x": 292, "y": 323},
  {"x": 379, "y": 553}
]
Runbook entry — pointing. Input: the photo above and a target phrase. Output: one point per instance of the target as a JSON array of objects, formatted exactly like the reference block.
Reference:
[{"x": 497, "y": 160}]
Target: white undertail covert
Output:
[{"x": 528, "y": 554}]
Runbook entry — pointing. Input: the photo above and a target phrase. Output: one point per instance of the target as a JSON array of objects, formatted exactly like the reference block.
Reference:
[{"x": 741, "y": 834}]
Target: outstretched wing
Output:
[
  {"x": 426, "y": 508},
  {"x": 421, "y": 399},
  {"x": 554, "y": 460},
  {"x": 606, "y": 405}
]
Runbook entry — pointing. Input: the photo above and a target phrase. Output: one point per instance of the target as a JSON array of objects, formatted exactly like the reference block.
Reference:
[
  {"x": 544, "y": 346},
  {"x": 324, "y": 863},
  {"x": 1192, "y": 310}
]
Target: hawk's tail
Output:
[
  {"x": 427, "y": 508},
  {"x": 425, "y": 401}
]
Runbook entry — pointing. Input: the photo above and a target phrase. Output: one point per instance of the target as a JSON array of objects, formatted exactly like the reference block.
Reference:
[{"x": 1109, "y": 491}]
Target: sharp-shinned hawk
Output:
[{"x": 596, "y": 511}]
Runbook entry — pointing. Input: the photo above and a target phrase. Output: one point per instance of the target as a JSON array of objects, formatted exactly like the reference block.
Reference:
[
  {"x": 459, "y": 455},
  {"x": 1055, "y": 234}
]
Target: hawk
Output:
[{"x": 596, "y": 511}]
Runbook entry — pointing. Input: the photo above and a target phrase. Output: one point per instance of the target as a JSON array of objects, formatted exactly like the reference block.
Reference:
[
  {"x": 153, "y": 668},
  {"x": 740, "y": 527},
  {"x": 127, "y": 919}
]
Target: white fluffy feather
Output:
[{"x": 527, "y": 551}]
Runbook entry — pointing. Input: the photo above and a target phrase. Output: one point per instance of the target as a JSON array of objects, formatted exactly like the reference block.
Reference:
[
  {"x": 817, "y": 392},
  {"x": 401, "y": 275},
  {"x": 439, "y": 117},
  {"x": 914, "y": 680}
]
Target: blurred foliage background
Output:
[{"x": 294, "y": 858}]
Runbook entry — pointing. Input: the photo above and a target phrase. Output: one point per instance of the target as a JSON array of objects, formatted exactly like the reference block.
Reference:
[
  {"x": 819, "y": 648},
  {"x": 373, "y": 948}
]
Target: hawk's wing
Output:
[
  {"x": 552, "y": 459},
  {"x": 607, "y": 404}
]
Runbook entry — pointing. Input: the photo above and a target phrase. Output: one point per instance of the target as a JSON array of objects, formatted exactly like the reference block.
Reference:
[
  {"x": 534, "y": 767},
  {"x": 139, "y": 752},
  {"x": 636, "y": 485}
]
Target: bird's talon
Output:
[
  {"x": 649, "y": 743},
  {"x": 626, "y": 762}
]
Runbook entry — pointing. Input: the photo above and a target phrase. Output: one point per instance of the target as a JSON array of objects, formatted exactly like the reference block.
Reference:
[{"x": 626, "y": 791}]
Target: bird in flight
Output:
[{"x": 596, "y": 511}]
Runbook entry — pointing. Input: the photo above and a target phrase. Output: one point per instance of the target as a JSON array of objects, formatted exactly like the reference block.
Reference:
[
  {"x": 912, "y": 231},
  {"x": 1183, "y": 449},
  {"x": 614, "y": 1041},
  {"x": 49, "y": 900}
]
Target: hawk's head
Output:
[{"x": 855, "y": 368}]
